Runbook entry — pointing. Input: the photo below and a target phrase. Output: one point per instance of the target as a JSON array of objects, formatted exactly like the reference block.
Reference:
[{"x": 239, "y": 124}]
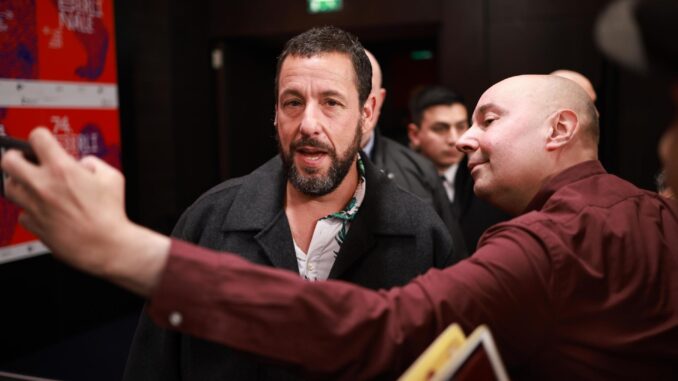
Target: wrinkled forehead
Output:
[{"x": 331, "y": 68}]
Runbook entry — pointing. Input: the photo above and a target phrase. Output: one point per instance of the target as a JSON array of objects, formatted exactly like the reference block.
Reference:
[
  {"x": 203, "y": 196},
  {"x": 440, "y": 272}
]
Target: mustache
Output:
[{"x": 310, "y": 142}]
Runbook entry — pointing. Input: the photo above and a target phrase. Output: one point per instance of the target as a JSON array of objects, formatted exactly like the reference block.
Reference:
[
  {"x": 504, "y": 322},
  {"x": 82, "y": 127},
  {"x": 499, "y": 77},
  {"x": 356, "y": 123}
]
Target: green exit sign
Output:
[{"x": 323, "y": 6}]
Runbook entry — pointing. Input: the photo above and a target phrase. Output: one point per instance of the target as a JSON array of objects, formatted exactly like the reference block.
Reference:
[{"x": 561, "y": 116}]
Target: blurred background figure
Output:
[
  {"x": 664, "y": 154},
  {"x": 438, "y": 119},
  {"x": 409, "y": 170},
  {"x": 580, "y": 80},
  {"x": 640, "y": 36}
]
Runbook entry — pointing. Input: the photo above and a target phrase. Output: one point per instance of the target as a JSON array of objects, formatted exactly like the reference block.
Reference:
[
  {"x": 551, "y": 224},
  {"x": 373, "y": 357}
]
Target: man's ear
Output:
[
  {"x": 564, "y": 125},
  {"x": 382, "y": 95},
  {"x": 413, "y": 135},
  {"x": 275, "y": 118}
]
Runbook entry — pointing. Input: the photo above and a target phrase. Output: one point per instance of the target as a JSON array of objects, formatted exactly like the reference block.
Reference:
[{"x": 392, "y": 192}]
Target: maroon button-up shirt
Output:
[{"x": 583, "y": 285}]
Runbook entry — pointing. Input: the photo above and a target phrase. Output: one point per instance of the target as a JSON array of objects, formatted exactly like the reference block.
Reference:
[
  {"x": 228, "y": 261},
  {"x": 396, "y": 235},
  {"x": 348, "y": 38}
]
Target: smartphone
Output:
[{"x": 7, "y": 143}]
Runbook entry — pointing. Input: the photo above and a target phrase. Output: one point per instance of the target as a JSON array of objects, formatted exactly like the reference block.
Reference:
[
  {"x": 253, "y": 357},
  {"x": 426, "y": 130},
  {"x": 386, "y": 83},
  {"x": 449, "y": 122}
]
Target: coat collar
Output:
[
  {"x": 259, "y": 200},
  {"x": 258, "y": 206}
]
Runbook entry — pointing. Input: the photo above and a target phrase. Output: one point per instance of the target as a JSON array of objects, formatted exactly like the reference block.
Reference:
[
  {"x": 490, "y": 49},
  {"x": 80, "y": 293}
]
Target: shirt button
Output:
[{"x": 175, "y": 319}]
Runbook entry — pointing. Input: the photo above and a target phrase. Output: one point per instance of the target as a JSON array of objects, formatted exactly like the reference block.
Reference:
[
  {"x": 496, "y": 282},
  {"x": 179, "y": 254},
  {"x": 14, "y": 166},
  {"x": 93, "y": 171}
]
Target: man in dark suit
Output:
[
  {"x": 408, "y": 169},
  {"x": 319, "y": 209},
  {"x": 439, "y": 118}
]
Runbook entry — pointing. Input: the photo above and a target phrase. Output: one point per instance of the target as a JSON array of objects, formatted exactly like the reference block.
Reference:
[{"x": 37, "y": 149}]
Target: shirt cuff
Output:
[{"x": 181, "y": 300}]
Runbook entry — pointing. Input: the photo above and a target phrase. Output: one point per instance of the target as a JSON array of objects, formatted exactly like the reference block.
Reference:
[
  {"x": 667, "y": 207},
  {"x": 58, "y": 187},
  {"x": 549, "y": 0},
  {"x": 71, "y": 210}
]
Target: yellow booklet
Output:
[
  {"x": 452, "y": 356},
  {"x": 436, "y": 355}
]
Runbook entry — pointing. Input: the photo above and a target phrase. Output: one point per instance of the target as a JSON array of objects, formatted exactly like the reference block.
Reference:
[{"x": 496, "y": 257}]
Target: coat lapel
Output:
[
  {"x": 276, "y": 242},
  {"x": 258, "y": 207},
  {"x": 360, "y": 239}
]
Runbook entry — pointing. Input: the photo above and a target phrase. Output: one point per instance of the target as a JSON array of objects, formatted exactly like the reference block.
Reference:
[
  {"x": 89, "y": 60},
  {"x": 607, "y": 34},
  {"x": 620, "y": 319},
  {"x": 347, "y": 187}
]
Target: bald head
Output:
[
  {"x": 580, "y": 80},
  {"x": 379, "y": 94},
  {"x": 553, "y": 93},
  {"x": 525, "y": 130},
  {"x": 376, "y": 71}
]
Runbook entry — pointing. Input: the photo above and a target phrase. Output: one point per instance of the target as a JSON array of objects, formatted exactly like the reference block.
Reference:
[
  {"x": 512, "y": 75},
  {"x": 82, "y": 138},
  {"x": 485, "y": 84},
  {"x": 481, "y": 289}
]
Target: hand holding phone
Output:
[{"x": 7, "y": 143}]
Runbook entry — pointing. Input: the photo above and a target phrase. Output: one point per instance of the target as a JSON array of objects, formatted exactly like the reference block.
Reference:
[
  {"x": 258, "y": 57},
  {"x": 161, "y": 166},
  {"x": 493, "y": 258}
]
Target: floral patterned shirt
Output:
[{"x": 329, "y": 234}]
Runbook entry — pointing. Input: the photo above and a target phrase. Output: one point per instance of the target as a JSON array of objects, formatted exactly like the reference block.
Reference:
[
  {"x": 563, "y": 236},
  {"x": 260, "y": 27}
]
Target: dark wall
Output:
[
  {"x": 485, "y": 41},
  {"x": 167, "y": 110}
]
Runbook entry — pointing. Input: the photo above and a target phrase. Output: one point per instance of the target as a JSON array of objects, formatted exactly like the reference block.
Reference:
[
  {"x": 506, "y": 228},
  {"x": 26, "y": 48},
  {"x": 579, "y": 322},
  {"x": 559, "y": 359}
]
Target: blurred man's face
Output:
[
  {"x": 319, "y": 121},
  {"x": 436, "y": 136}
]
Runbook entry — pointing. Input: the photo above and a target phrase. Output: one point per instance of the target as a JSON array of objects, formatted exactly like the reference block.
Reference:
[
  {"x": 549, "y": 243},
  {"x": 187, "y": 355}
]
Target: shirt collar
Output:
[
  {"x": 450, "y": 173},
  {"x": 568, "y": 176},
  {"x": 351, "y": 209}
]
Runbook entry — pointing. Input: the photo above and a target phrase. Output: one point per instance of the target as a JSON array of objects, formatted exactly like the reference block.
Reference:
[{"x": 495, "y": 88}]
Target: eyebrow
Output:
[
  {"x": 333, "y": 93},
  {"x": 292, "y": 92},
  {"x": 440, "y": 123},
  {"x": 488, "y": 106}
]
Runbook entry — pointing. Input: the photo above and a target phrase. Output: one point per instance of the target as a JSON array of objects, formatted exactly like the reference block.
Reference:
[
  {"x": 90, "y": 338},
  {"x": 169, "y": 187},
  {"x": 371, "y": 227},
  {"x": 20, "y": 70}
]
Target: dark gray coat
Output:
[
  {"x": 417, "y": 175},
  {"x": 394, "y": 238}
]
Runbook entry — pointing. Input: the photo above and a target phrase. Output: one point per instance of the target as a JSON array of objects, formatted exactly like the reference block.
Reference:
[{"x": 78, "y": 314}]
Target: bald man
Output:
[
  {"x": 582, "y": 284},
  {"x": 579, "y": 79},
  {"x": 406, "y": 168}
]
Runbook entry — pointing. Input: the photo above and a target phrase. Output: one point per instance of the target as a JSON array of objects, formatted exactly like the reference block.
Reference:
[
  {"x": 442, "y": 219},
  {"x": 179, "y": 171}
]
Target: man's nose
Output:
[
  {"x": 468, "y": 142},
  {"x": 310, "y": 121},
  {"x": 453, "y": 136}
]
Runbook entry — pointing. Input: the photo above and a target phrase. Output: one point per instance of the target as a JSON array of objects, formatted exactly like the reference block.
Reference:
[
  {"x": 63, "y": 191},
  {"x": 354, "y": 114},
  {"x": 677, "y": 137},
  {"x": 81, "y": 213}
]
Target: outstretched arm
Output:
[
  {"x": 328, "y": 328},
  {"x": 77, "y": 210}
]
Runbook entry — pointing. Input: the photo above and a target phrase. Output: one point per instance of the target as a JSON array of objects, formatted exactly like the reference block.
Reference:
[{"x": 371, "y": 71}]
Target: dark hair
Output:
[
  {"x": 430, "y": 96},
  {"x": 330, "y": 39}
]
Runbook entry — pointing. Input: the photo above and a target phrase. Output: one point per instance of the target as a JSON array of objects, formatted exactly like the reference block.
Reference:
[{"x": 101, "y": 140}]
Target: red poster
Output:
[
  {"x": 81, "y": 131},
  {"x": 59, "y": 40},
  {"x": 57, "y": 70}
]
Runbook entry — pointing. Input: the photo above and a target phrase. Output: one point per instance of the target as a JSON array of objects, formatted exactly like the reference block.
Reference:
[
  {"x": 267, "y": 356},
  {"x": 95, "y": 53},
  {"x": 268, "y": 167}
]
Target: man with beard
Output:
[{"x": 319, "y": 209}]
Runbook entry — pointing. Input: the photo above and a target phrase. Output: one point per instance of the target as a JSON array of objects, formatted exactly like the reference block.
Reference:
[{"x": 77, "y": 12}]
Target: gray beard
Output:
[{"x": 318, "y": 185}]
